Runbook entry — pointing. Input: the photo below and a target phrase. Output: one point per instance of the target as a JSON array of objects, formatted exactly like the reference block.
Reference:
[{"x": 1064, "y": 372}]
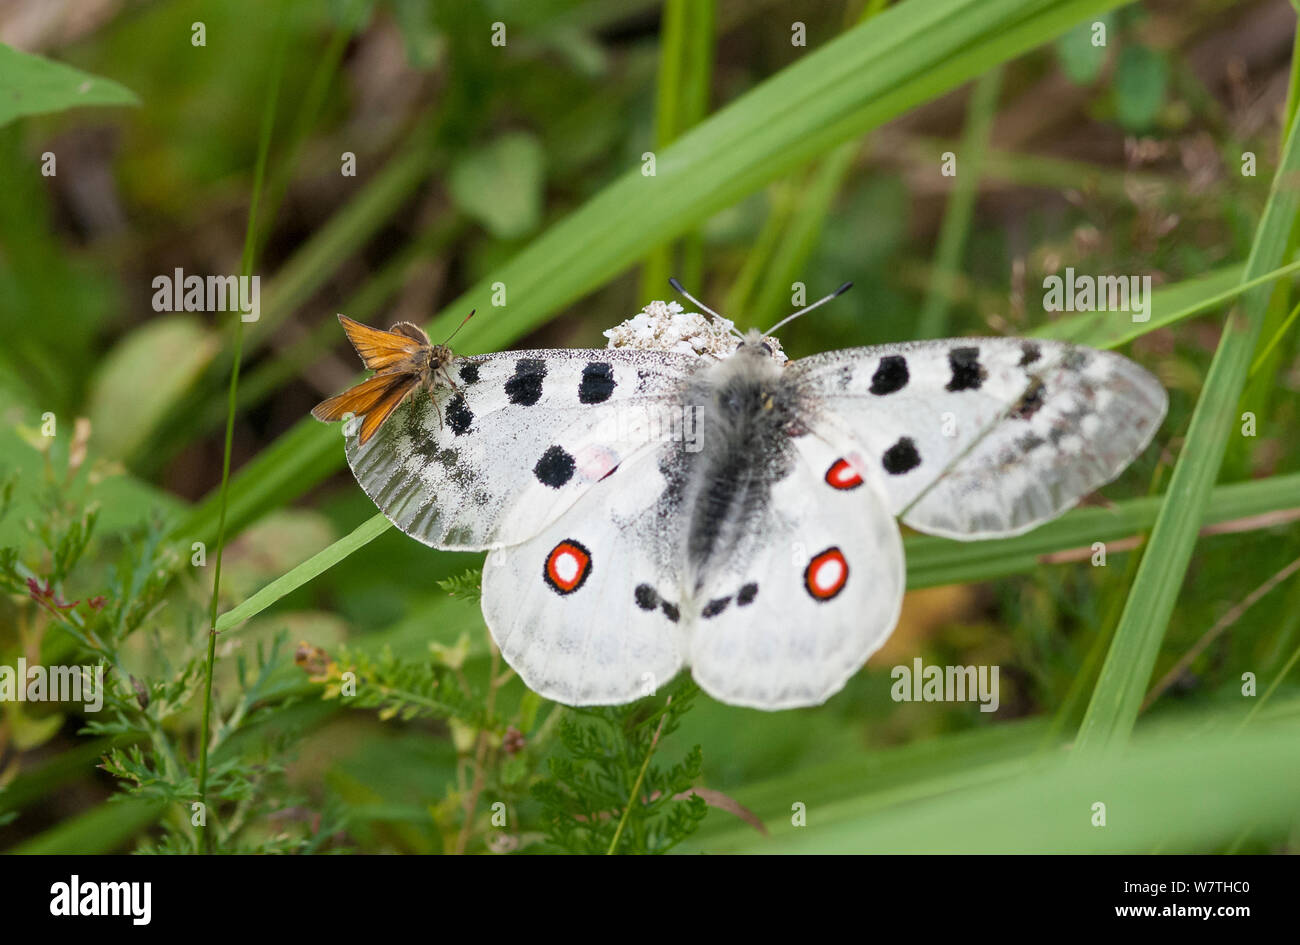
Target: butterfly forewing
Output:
[
  {"x": 384, "y": 350},
  {"x": 523, "y": 436},
  {"x": 982, "y": 437}
]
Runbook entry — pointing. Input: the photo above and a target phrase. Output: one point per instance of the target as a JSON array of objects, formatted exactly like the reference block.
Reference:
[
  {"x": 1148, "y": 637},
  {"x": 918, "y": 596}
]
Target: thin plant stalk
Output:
[
  {"x": 640, "y": 777},
  {"x": 246, "y": 269}
]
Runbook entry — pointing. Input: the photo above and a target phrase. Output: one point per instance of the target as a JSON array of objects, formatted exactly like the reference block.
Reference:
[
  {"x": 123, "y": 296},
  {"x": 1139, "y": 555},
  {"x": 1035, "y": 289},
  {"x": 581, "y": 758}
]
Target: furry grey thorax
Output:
[{"x": 748, "y": 413}]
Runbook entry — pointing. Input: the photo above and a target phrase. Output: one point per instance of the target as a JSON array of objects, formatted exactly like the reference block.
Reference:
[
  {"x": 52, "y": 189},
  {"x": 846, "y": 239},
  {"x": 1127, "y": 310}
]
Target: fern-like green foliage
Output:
[
  {"x": 145, "y": 712},
  {"x": 401, "y": 689},
  {"x": 606, "y": 794},
  {"x": 467, "y": 586}
]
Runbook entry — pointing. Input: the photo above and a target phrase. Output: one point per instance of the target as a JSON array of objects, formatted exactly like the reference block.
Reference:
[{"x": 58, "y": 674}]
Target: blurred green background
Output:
[{"x": 522, "y": 163}]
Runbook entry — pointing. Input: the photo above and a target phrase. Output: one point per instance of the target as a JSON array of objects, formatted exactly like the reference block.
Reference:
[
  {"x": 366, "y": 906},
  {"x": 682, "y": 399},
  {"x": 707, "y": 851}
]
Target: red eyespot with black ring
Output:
[
  {"x": 567, "y": 566},
  {"x": 841, "y": 475},
  {"x": 826, "y": 574}
]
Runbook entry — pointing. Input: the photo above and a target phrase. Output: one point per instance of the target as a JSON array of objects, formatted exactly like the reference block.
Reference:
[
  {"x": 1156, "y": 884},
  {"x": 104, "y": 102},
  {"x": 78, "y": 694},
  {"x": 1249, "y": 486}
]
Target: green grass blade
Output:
[
  {"x": 317, "y": 564},
  {"x": 799, "y": 236},
  {"x": 797, "y": 215},
  {"x": 102, "y": 829},
  {"x": 1267, "y": 348},
  {"x": 933, "y": 320},
  {"x": 246, "y": 270},
  {"x": 1127, "y": 670},
  {"x": 685, "y": 73},
  {"x": 295, "y": 282},
  {"x": 934, "y": 561},
  {"x": 1183, "y": 784},
  {"x": 1169, "y": 305}
]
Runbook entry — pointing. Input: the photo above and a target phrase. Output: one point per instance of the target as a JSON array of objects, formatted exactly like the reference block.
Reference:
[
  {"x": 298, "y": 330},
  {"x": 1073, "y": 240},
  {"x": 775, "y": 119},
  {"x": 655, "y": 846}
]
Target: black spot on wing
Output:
[
  {"x": 459, "y": 416},
  {"x": 413, "y": 423},
  {"x": 967, "y": 374},
  {"x": 891, "y": 375},
  {"x": 901, "y": 457},
  {"x": 715, "y": 607},
  {"x": 670, "y": 611},
  {"x": 1076, "y": 359},
  {"x": 525, "y": 386},
  {"x": 1031, "y": 401},
  {"x": 427, "y": 450},
  {"x": 1029, "y": 442},
  {"x": 1029, "y": 353},
  {"x": 469, "y": 373},
  {"x": 747, "y": 595},
  {"x": 647, "y": 598},
  {"x": 555, "y": 468},
  {"x": 597, "y": 382}
]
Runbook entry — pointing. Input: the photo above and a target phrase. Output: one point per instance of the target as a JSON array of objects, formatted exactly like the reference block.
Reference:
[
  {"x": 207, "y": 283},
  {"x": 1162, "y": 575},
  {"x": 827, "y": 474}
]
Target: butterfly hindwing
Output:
[
  {"x": 981, "y": 437},
  {"x": 789, "y": 624},
  {"x": 365, "y": 398},
  {"x": 520, "y": 438},
  {"x": 576, "y": 610}
]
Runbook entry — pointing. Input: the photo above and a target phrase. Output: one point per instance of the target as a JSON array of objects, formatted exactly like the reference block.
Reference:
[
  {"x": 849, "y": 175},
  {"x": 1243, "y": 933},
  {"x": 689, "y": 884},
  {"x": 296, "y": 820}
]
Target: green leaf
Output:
[
  {"x": 1080, "y": 60},
  {"x": 500, "y": 185},
  {"x": 30, "y": 85},
  {"x": 149, "y": 368},
  {"x": 425, "y": 45},
  {"x": 1140, "y": 80},
  {"x": 32, "y": 731}
]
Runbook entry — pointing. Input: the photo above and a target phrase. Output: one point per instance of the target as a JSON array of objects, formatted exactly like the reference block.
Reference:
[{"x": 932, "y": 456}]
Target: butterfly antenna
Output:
[
  {"x": 459, "y": 327},
  {"x": 808, "y": 308},
  {"x": 700, "y": 305}
]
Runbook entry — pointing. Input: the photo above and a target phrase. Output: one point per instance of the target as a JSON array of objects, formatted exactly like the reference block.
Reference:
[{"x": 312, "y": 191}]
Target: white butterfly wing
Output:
[
  {"x": 984, "y": 437},
  {"x": 524, "y": 435},
  {"x": 576, "y": 610},
  {"x": 788, "y": 626}
]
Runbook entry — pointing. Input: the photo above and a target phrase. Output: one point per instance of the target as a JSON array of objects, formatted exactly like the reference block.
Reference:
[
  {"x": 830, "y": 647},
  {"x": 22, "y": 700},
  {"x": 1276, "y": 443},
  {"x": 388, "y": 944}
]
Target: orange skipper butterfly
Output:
[{"x": 403, "y": 360}]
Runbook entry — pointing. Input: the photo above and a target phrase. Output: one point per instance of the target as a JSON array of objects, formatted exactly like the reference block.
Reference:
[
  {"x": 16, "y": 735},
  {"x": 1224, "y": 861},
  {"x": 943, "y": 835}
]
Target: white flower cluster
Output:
[{"x": 666, "y": 326}]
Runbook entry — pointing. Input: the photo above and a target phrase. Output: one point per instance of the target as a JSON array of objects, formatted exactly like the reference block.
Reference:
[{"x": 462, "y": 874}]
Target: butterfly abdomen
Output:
[{"x": 744, "y": 450}]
